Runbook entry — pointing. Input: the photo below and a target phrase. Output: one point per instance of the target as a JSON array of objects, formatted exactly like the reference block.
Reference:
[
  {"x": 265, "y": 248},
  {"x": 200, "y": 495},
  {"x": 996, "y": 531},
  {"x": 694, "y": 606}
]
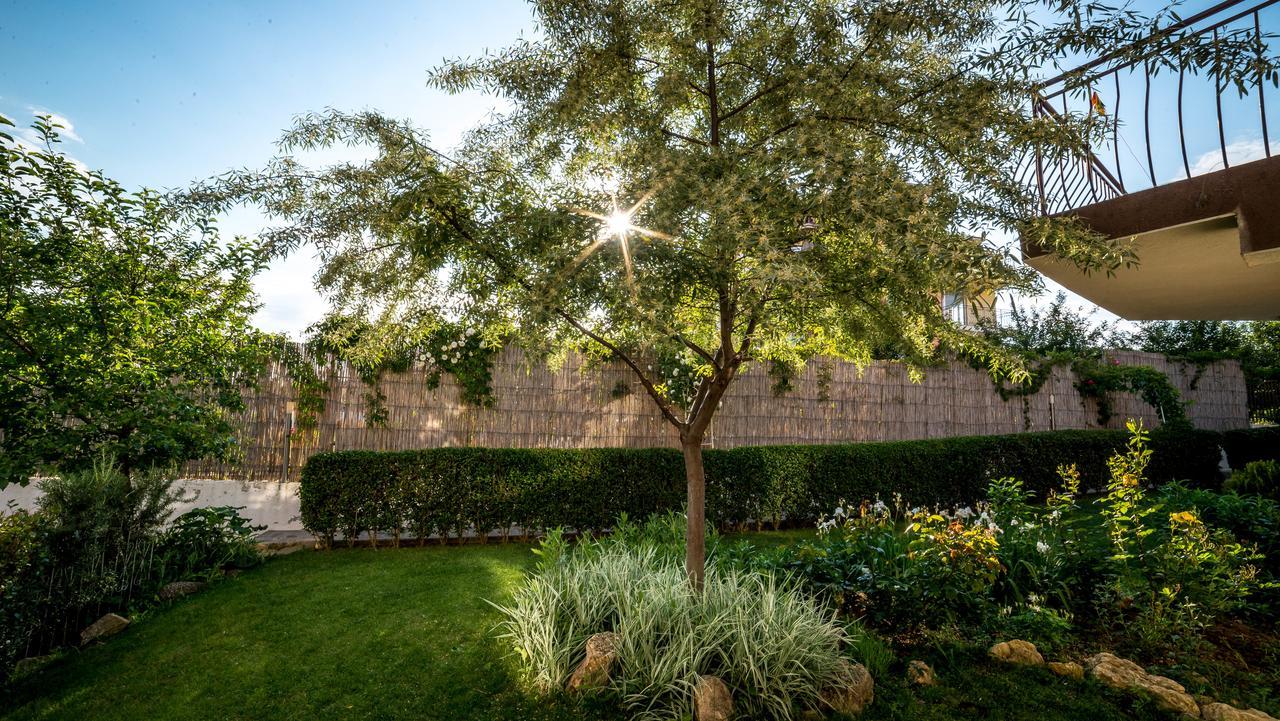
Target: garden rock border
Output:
[
  {"x": 108, "y": 625},
  {"x": 1067, "y": 669},
  {"x": 854, "y": 692},
  {"x": 1215, "y": 711},
  {"x": 1017, "y": 651},
  {"x": 178, "y": 589},
  {"x": 593, "y": 672},
  {"x": 1126, "y": 675},
  {"x": 712, "y": 700},
  {"x": 920, "y": 673}
]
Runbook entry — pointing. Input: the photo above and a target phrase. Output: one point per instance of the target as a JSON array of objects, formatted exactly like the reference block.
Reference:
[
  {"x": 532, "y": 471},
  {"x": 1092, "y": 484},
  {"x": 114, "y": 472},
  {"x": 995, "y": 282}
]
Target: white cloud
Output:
[
  {"x": 68, "y": 129},
  {"x": 1238, "y": 153}
]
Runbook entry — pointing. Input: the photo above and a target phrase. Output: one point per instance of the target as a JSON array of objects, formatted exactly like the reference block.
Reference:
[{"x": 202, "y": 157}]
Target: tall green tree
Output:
[
  {"x": 690, "y": 187},
  {"x": 1056, "y": 328},
  {"x": 124, "y": 327}
]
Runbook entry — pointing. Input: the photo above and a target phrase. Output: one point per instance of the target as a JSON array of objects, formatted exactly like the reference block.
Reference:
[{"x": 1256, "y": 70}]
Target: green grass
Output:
[{"x": 406, "y": 634}]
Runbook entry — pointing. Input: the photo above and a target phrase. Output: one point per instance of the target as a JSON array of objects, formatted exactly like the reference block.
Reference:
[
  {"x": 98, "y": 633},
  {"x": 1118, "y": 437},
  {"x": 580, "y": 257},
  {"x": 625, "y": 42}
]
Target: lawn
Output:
[{"x": 406, "y": 634}]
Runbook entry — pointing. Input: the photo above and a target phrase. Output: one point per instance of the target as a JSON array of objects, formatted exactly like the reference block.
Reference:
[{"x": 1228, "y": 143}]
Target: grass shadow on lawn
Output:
[{"x": 359, "y": 634}]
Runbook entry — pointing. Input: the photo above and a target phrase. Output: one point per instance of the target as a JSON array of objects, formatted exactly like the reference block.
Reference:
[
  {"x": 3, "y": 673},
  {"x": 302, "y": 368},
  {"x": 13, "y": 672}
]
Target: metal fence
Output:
[
  {"x": 1264, "y": 401},
  {"x": 1141, "y": 134}
]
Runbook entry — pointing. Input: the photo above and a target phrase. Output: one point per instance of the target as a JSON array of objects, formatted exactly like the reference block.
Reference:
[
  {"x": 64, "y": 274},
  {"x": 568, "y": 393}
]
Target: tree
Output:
[
  {"x": 124, "y": 329},
  {"x": 690, "y": 187},
  {"x": 1055, "y": 329}
]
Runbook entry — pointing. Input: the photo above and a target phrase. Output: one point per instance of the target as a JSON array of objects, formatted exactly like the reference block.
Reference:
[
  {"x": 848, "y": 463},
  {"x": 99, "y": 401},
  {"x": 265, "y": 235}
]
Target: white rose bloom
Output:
[{"x": 1042, "y": 547}]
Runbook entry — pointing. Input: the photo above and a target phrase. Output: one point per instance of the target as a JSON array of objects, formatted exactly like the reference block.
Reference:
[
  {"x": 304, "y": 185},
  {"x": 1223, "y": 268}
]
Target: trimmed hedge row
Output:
[
  {"x": 452, "y": 490},
  {"x": 1251, "y": 444}
]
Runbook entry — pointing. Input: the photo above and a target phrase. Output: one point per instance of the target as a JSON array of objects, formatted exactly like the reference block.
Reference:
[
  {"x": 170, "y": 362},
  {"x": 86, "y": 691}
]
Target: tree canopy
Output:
[
  {"x": 124, "y": 327},
  {"x": 709, "y": 183}
]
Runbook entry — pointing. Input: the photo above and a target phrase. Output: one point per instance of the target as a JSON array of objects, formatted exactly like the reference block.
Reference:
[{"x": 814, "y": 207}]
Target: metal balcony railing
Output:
[{"x": 1141, "y": 148}]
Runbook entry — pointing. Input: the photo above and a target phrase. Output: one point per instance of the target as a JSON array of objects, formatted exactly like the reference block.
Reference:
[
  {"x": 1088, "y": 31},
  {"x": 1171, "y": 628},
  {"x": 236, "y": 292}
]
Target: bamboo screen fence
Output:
[{"x": 576, "y": 406}]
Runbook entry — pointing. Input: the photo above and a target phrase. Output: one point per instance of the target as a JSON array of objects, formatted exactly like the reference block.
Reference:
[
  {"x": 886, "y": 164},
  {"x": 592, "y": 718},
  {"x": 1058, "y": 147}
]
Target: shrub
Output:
[
  {"x": 1168, "y": 585},
  {"x": 896, "y": 567},
  {"x": 1252, "y": 519},
  {"x": 98, "y": 543},
  {"x": 24, "y": 566},
  {"x": 204, "y": 541},
  {"x": 1260, "y": 478},
  {"x": 448, "y": 491},
  {"x": 1247, "y": 445},
  {"x": 773, "y": 646}
]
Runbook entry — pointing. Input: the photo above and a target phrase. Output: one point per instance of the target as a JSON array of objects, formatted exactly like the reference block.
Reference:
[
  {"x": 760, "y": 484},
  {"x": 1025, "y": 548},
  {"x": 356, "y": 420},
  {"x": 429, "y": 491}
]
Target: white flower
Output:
[
  {"x": 964, "y": 513},
  {"x": 1042, "y": 547}
]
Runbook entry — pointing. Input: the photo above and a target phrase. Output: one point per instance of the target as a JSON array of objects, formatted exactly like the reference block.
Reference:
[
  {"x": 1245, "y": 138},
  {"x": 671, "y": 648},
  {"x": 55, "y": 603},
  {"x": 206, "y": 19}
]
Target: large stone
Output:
[
  {"x": 1222, "y": 712},
  {"x": 178, "y": 589},
  {"x": 1067, "y": 669},
  {"x": 920, "y": 674},
  {"x": 1126, "y": 675},
  {"x": 1017, "y": 651},
  {"x": 853, "y": 690},
  {"x": 712, "y": 700},
  {"x": 29, "y": 664},
  {"x": 593, "y": 672},
  {"x": 108, "y": 625}
]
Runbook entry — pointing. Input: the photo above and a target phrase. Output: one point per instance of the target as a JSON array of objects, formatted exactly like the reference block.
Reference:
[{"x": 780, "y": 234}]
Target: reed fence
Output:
[{"x": 576, "y": 405}]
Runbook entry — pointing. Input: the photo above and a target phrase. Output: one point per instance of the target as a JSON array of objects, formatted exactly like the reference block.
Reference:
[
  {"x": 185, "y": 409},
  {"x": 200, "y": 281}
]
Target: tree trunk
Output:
[{"x": 695, "y": 557}]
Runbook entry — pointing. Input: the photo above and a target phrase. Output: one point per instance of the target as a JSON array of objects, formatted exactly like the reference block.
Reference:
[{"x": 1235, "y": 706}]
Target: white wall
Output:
[{"x": 267, "y": 503}]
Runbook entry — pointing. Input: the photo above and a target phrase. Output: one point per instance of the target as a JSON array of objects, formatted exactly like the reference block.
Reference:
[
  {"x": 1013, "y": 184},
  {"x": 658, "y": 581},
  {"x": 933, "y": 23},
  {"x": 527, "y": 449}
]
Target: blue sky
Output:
[{"x": 164, "y": 93}]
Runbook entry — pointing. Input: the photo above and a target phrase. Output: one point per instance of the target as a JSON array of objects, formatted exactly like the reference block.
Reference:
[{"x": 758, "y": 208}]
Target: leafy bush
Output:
[
  {"x": 746, "y": 628},
  {"x": 1252, "y": 519},
  {"x": 203, "y": 541},
  {"x": 98, "y": 543},
  {"x": 24, "y": 565},
  {"x": 896, "y": 567},
  {"x": 1023, "y": 568},
  {"x": 1261, "y": 478},
  {"x": 102, "y": 509},
  {"x": 447, "y": 491},
  {"x": 1246, "y": 445},
  {"x": 1169, "y": 585}
]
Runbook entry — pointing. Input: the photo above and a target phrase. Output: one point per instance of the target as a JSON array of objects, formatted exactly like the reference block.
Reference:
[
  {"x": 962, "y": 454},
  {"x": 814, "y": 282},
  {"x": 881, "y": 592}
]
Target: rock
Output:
[
  {"x": 108, "y": 625},
  {"x": 593, "y": 672},
  {"x": 283, "y": 550},
  {"x": 1017, "y": 651},
  {"x": 178, "y": 589},
  {"x": 30, "y": 663},
  {"x": 1067, "y": 669},
  {"x": 1124, "y": 674},
  {"x": 853, "y": 690},
  {"x": 920, "y": 674},
  {"x": 1222, "y": 712},
  {"x": 712, "y": 700}
]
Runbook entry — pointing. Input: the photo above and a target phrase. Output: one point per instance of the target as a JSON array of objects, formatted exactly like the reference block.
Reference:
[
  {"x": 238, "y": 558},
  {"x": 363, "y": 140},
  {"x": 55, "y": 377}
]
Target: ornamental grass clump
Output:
[{"x": 775, "y": 647}]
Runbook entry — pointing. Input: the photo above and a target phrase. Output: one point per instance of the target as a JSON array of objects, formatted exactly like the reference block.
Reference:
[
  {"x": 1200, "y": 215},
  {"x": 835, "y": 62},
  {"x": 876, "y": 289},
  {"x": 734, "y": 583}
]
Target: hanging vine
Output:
[
  {"x": 1099, "y": 379},
  {"x": 448, "y": 348}
]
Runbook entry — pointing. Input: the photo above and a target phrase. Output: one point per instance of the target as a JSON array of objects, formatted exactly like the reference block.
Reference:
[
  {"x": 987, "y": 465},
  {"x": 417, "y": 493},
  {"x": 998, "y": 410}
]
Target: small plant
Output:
[
  {"x": 1048, "y": 628},
  {"x": 204, "y": 541},
  {"x": 1260, "y": 478},
  {"x": 1123, "y": 507}
]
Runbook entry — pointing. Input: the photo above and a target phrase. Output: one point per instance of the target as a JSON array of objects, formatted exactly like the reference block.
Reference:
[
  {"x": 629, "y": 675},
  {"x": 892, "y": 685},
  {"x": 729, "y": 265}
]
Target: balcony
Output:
[{"x": 1202, "y": 197}]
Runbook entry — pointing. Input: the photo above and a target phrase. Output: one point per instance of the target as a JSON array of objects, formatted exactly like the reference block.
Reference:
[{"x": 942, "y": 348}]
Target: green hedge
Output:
[
  {"x": 1251, "y": 444},
  {"x": 451, "y": 490}
]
